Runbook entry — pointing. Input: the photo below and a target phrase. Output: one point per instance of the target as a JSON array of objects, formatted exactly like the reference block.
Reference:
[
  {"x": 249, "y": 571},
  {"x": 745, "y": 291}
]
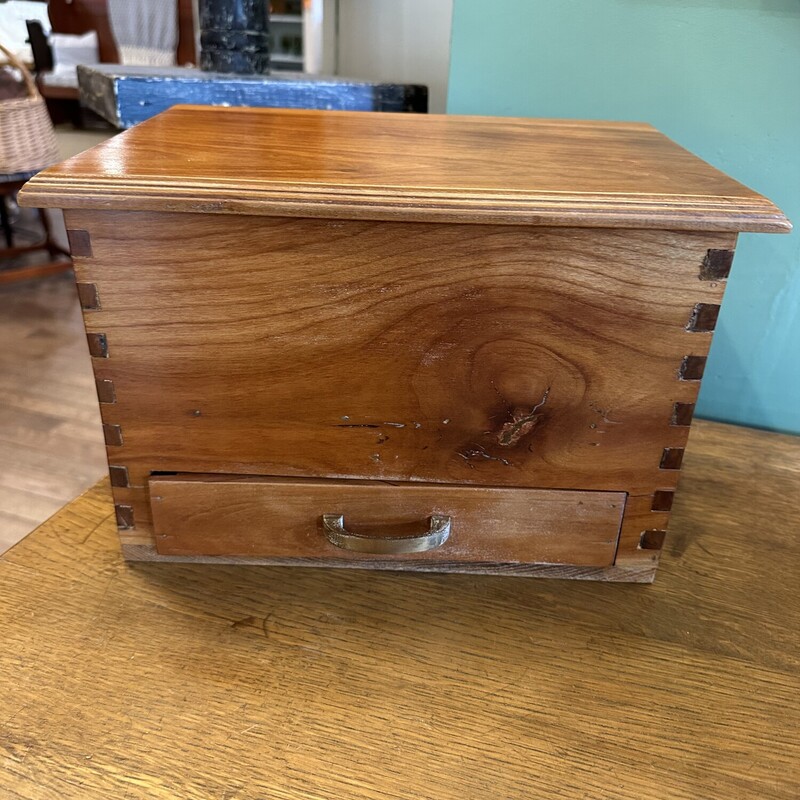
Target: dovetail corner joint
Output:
[
  {"x": 662, "y": 500},
  {"x": 652, "y": 540},
  {"x": 682, "y": 414},
  {"x": 105, "y": 390},
  {"x": 671, "y": 458},
  {"x": 692, "y": 368},
  {"x": 87, "y": 294},
  {"x": 98, "y": 345},
  {"x": 716, "y": 265},
  {"x": 119, "y": 476},
  {"x": 703, "y": 318},
  {"x": 80, "y": 243},
  {"x": 124, "y": 517},
  {"x": 113, "y": 435}
]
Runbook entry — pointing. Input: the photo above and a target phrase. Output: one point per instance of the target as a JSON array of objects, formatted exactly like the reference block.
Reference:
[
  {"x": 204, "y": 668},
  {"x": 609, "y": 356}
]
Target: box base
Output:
[{"x": 617, "y": 574}]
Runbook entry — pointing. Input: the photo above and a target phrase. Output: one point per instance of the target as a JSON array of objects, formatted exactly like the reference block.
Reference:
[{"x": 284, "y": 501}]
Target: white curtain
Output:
[{"x": 146, "y": 31}]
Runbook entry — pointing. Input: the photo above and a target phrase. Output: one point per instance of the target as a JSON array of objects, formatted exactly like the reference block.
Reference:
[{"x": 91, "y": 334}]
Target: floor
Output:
[{"x": 51, "y": 444}]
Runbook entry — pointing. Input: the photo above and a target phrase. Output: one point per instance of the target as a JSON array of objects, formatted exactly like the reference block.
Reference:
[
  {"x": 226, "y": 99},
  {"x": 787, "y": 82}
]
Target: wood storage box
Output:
[{"x": 397, "y": 341}]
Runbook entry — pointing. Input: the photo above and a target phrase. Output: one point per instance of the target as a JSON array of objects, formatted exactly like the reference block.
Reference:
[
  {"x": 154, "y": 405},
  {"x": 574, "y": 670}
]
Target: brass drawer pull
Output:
[{"x": 339, "y": 536}]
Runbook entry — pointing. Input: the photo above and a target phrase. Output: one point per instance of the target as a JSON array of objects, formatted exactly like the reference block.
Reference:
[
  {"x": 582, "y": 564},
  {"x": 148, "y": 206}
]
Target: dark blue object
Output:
[
  {"x": 127, "y": 95},
  {"x": 234, "y": 36}
]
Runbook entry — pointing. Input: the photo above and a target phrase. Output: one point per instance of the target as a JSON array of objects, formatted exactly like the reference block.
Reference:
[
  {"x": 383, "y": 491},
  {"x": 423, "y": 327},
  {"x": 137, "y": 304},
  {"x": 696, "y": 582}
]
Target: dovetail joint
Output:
[
  {"x": 124, "y": 517},
  {"x": 662, "y": 500},
  {"x": 692, "y": 368},
  {"x": 672, "y": 458},
  {"x": 113, "y": 435},
  {"x": 682, "y": 414},
  {"x": 98, "y": 345},
  {"x": 652, "y": 540},
  {"x": 716, "y": 265},
  {"x": 89, "y": 297},
  {"x": 80, "y": 243},
  {"x": 703, "y": 318},
  {"x": 105, "y": 390},
  {"x": 119, "y": 476}
]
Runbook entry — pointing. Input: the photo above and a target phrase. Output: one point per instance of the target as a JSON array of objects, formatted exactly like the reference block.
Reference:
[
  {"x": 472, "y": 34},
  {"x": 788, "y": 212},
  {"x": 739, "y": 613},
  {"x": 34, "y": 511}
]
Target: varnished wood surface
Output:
[
  {"x": 163, "y": 681},
  {"x": 486, "y": 355},
  {"x": 51, "y": 445},
  {"x": 282, "y": 518},
  {"x": 406, "y": 167},
  {"x": 482, "y": 355}
]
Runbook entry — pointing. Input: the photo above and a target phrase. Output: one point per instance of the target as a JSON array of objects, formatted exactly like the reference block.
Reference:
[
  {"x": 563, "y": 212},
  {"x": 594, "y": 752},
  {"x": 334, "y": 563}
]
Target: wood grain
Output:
[
  {"x": 492, "y": 355},
  {"x": 405, "y": 167},
  {"x": 163, "y": 681},
  {"x": 282, "y": 518}
]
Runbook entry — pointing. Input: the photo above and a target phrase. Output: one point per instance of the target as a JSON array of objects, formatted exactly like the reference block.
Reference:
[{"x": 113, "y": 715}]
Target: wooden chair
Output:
[
  {"x": 59, "y": 259},
  {"x": 81, "y": 16}
]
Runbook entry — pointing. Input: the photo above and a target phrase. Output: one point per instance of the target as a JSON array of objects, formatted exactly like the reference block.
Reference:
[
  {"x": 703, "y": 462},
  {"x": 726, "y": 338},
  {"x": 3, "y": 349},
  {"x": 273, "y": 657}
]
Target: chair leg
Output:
[
  {"x": 5, "y": 221},
  {"x": 49, "y": 242}
]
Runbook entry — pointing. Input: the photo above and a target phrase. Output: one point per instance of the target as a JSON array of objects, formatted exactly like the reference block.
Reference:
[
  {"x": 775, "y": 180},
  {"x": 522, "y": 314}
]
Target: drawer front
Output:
[{"x": 207, "y": 515}]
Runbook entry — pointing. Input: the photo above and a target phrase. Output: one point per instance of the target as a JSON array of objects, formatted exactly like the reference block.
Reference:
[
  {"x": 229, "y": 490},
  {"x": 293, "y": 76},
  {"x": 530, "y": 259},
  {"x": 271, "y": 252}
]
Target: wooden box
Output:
[{"x": 419, "y": 343}]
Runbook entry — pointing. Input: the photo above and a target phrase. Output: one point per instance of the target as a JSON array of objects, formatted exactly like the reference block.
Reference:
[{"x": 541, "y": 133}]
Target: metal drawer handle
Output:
[{"x": 338, "y": 535}]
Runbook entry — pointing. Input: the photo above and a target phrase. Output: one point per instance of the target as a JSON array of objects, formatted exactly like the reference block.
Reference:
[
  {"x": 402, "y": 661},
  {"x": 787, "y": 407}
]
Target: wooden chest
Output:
[{"x": 403, "y": 342}]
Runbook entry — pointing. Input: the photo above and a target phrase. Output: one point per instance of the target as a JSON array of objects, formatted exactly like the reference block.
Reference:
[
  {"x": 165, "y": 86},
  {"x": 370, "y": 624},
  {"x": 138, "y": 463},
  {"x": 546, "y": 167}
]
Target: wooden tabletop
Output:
[
  {"x": 188, "y": 681},
  {"x": 358, "y": 165}
]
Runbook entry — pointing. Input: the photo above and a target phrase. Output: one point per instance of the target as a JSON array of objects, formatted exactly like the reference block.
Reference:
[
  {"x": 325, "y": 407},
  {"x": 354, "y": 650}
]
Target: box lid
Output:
[{"x": 358, "y": 165}]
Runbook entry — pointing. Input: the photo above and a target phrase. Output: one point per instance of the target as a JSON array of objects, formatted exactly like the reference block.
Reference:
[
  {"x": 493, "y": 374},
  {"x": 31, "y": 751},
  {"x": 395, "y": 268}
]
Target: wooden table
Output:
[{"x": 188, "y": 681}]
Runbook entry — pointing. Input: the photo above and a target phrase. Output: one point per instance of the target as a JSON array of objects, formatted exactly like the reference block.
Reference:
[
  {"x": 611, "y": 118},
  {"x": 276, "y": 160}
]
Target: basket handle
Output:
[{"x": 26, "y": 75}]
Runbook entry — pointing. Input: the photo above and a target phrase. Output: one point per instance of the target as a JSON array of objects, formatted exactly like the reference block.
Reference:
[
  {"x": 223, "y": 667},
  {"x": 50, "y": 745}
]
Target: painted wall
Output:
[
  {"x": 406, "y": 41},
  {"x": 721, "y": 77}
]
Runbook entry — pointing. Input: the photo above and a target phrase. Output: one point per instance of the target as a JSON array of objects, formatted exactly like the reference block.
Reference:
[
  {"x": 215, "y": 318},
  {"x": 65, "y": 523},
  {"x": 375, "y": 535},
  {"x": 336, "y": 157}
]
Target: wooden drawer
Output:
[{"x": 206, "y": 515}]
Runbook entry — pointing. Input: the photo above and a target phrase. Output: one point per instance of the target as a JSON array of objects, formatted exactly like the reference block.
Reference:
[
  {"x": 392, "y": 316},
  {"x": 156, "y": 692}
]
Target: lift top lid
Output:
[{"x": 358, "y": 165}]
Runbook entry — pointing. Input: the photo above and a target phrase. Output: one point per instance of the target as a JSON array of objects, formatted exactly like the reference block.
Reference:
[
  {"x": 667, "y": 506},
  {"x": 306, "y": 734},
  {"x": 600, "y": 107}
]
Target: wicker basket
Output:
[{"x": 27, "y": 140}]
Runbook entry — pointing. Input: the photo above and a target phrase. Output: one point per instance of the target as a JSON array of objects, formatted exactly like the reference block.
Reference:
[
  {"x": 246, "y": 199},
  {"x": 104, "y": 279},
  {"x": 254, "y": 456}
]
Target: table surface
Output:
[{"x": 189, "y": 681}]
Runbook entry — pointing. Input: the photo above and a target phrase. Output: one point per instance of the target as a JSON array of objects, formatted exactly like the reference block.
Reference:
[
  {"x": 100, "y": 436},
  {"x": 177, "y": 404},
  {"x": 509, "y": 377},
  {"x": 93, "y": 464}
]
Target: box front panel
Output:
[{"x": 465, "y": 354}]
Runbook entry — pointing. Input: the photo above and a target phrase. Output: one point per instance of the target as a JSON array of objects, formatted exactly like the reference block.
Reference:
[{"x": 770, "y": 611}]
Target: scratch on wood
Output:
[
  {"x": 521, "y": 424},
  {"x": 246, "y": 622},
  {"x": 259, "y": 623},
  {"x": 476, "y": 451},
  {"x": 375, "y": 425},
  {"x": 97, "y": 527},
  {"x": 604, "y": 415}
]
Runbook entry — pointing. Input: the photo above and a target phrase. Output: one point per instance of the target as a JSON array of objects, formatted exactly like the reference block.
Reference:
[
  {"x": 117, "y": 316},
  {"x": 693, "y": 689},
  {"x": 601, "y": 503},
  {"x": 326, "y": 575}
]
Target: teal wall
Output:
[{"x": 722, "y": 77}]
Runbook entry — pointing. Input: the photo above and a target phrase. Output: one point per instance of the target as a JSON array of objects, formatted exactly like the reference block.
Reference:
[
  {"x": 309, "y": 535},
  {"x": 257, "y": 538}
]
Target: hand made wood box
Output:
[{"x": 405, "y": 342}]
